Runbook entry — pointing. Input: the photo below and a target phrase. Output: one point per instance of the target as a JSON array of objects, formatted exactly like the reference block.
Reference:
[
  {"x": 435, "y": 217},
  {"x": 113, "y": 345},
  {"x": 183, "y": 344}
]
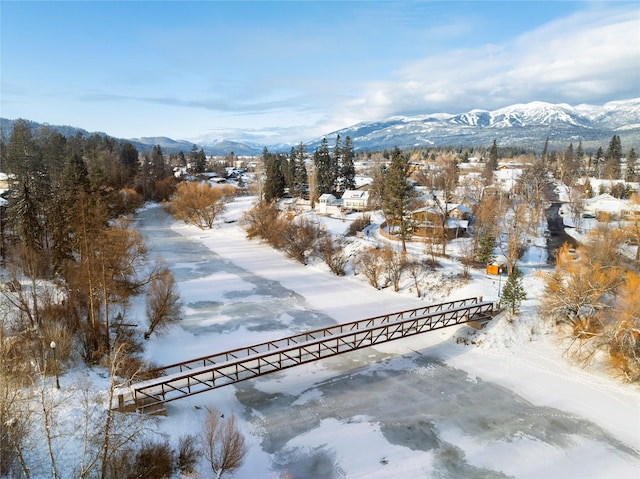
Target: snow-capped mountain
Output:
[
  {"x": 520, "y": 125},
  {"x": 216, "y": 147},
  {"x": 525, "y": 126}
]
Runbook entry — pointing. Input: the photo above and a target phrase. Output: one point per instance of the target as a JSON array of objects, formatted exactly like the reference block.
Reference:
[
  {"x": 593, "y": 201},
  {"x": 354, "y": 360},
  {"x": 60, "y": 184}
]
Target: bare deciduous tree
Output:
[
  {"x": 223, "y": 445},
  {"x": 14, "y": 414},
  {"x": 261, "y": 221},
  {"x": 513, "y": 230},
  {"x": 485, "y": 214},
  {"x": 333, "y": 254},
  {"x": 623, "y": 332},
  {"x": 188, "y": 453},
  {"x": 416, "y": 270},
  {"x": 394, "y": 264},
  {"x": 162, "y": 302},
  {"x": 300, "y": 238},
  {"x": 368, "y": 262},
  {"x": 592, "y": 293},
  {"x": 467, "y": 256},
  {"x": 198, "y": 203}
]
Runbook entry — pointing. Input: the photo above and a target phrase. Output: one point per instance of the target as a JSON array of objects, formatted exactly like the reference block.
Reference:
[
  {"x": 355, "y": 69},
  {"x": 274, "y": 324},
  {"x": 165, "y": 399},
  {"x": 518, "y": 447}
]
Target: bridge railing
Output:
[
  {"x": 211, "y": 376},
  {"x": 304, "y": 337}
]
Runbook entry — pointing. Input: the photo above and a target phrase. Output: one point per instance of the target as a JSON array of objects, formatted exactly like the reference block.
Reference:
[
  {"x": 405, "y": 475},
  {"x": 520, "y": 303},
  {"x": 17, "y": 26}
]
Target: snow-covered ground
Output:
[{"x": 502, "y": 402}]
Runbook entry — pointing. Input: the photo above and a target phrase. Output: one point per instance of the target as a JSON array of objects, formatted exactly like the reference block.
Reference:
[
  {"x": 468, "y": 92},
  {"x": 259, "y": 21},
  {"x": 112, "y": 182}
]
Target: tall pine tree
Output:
[
  {"x": 274, "y": 183},
  {"x": 299, "y": 185},
  {"x": 612, "y": 158},
  {"x": 486, "y": 247},
  {"x": 633, "y": 169},
  {"x": 347, "y": 168},
  {"x": 491, "y": 163},
  {"x": 397, "y": 195},
  {"x": 324, "y": 169},
  {"x": 513, "y": 292}
]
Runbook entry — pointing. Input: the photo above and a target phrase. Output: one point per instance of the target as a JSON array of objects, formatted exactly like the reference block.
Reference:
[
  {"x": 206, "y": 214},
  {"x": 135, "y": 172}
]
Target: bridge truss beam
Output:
[{"x": 212, "y": 372}]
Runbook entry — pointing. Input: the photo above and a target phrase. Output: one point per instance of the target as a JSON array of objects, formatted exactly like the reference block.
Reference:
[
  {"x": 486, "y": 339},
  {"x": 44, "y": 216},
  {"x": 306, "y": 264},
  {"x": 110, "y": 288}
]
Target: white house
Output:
[
  {"x": 355, "y": 200},
  {"x": 325, "y": 201},
  {"x": 506, "y": 176},
  {"x": 604, "y": 203}
]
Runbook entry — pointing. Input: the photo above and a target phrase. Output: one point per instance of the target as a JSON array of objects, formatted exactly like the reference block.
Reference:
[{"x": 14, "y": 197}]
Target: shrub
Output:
[
  {"x": 394, "y": 264},
  {"x": 125, "y": 202},
  {"x": 300, "y": 238},
  {"x": 151, "y": 459},
  {"x": 333, "y": 254},
  {"x": 198, "y": 203},
  {"x": 188, "y": 453},
  {"x": 358, "y": 224},
  {"x": 260, "y": 220},
  {"x": 14, "y": 427},
  {"x": 369, "y": 263}
]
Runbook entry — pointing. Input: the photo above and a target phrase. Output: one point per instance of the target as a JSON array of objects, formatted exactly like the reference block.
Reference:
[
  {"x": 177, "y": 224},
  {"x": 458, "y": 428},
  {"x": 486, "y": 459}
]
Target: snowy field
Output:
[{"x": 505, "y": 404}]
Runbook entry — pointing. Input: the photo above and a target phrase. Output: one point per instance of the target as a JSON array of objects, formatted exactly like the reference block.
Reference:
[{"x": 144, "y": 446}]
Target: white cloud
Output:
[{"x": 590, "y": 57}]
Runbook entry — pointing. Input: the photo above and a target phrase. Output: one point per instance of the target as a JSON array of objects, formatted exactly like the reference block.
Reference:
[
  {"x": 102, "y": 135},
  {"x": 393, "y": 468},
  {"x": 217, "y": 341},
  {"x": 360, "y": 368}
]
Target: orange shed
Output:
[{"x": 495, "y": 268}]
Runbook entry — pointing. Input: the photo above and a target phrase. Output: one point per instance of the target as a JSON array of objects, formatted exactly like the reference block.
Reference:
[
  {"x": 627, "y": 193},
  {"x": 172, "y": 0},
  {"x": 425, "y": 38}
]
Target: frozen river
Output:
[{"x": 370, "y": 413}]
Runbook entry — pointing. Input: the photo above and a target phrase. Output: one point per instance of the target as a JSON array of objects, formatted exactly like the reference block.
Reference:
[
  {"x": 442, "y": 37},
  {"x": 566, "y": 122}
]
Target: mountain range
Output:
[{"x": 525, "y": 126}]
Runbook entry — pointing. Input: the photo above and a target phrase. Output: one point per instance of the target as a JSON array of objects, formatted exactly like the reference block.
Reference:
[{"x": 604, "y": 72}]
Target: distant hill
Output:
[
  {"x": 168, "y": 145},
  {"x": 526, "y": 126},
  {"x": 6, "y": 128}
]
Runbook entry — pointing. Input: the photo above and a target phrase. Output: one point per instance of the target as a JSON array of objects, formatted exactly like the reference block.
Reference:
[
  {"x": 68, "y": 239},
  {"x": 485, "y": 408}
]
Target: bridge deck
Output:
[
  {"x": 211, "y": 372},
  {"x": 306, "y": 336}
]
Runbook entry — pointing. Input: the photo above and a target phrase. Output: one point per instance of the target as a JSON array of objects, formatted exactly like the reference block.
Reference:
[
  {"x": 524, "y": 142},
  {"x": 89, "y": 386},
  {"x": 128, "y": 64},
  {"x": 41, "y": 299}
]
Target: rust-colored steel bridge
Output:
[{"x": 202, "y": 374}]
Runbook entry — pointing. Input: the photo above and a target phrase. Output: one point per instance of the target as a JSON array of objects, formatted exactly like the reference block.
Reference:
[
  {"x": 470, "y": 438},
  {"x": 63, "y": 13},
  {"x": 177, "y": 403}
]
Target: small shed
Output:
[
  {"x": 495, "y": 268},
  {"x": 325, "y": 201}
]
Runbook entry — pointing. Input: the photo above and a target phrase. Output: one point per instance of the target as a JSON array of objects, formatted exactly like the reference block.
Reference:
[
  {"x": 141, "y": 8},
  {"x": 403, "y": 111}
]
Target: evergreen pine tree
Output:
[
  {"x": 612, "y": 158},
  {"x": 580, "y": 152},
  {"x": 197, "y": 159},
  {"x": 347, "y": 168},
  {"x": 159, "y": 169},
  {"x": 274, "y": 183},
  {"x": 76, "y": 177},
  {"x": 545, "y": 152},
  {"x": 290, "y": 169},
  {"x": 632, "y": 165},
  {"x": 491, "y": 163},
  {"x": 397, "y": 193},
  {"x": 24, "y": 213},
  {"x": 614, "y": 150},
  {"x": 486, "y": 247},
  {"x": 299, "y": 186},
  {"x": 130, "y": 163},
  {"x": 323, "y": 168},
  {"x": 334, "y": 163},
  {"x": 513, "y": 292}
]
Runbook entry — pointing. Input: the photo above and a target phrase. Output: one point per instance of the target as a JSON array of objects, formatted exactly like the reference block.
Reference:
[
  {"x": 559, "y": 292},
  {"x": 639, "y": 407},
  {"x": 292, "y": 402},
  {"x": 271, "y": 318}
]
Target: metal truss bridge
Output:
[{"x": 202, "y": 374}]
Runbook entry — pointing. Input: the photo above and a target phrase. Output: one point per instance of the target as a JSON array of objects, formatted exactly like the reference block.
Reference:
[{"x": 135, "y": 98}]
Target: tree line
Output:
[{"x": 301, "y": 176}]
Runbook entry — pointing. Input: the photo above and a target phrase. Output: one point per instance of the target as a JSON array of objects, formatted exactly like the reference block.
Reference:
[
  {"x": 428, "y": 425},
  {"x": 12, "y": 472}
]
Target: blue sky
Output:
[{"x": 292, "y": 71}]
